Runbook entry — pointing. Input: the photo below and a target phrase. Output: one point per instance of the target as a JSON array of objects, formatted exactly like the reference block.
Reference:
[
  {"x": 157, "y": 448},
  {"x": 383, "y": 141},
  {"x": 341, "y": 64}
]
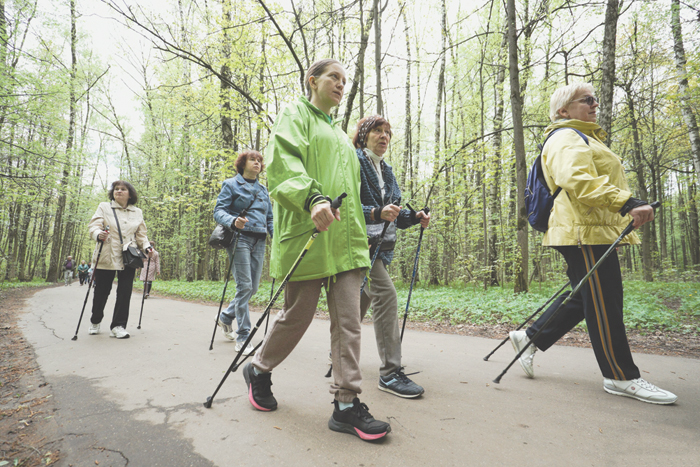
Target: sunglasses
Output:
[{"x": 589, "y": 100}]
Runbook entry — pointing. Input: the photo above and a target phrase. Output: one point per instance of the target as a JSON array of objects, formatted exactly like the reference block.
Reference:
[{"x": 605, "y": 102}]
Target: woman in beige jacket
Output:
[{"x": 119, "y": 214}]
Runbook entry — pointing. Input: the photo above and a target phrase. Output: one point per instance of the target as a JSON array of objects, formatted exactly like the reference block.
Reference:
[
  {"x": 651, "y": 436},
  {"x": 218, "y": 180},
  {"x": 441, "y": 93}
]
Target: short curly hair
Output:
[
  {"x": 133, "y": 197},
  {"x": 243, "y": 158}
]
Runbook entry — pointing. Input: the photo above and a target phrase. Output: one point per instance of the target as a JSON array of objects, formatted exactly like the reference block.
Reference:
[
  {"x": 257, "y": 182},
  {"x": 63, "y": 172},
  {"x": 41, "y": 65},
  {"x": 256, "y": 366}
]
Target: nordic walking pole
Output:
[
  {"x": 92, "y": 278},
  {"x": 272, "y": 291},
  {"x": 415, "y": 267},
  {"x": 624, "y": 233},
  {"x": 374, "y": 257},
  {"x": 556, "y": 294},
  {"x": 237, "y": 234},
  {"x": 143, "y": 297},
  {"x": 335, "y": 204}
]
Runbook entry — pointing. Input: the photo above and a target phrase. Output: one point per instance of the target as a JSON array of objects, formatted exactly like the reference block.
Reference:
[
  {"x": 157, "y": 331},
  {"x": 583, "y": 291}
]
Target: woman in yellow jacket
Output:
[
  {"x": 120, "y": 210},
  {"x": 593, "y": 208}
]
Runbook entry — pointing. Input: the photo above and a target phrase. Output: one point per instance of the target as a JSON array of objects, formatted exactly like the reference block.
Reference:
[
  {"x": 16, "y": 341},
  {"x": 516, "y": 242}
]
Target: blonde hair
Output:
[{"x": 563, "y": 96}]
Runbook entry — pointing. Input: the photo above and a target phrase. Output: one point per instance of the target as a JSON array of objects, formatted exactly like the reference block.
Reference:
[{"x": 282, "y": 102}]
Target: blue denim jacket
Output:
[{"x": 236, "y": 195}]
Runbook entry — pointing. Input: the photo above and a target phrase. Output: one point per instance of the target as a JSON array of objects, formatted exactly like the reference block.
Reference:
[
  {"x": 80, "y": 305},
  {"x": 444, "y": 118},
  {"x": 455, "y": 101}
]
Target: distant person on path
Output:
[
  {"x": 244, "y": 191},
  {"x": 590, "y": 213},
  {"x": 381, "y": 199},
  {"x": 68, "y": 267},
  {"x": 133, "y": 231},
  {"x": 90, "y": 275},
  {"x": 310, "y": 159},
  {"x": 83, "y": 272},
  {"x": 153, "y": 269}
]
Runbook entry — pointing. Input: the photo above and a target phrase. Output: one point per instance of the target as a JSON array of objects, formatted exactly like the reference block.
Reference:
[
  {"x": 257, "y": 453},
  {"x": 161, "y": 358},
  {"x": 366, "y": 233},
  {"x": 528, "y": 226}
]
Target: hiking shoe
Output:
[
  {"x": 94, "y": 328},
  {"x": 228, "y": 330},
  {"x": 120, "y": 333},
  {"x": 639, "y": 389},
  {"x": 357, "y": 421},
  {"x": 248, "y": 350},
  {"x": 259, "y": 393},
  {"x": 519, "y": 340},
  {"x": 400, "y": 385}
]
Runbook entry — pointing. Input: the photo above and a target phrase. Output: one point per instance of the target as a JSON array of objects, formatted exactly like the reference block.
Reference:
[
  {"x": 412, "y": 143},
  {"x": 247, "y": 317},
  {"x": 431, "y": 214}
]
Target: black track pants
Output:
[
  {"x": 599, "y": 302},
  {"x": 125, "y": 283}
]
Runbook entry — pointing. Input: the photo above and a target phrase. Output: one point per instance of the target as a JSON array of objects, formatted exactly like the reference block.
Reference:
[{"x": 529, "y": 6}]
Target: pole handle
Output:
[{"x": 338, "y": 201}]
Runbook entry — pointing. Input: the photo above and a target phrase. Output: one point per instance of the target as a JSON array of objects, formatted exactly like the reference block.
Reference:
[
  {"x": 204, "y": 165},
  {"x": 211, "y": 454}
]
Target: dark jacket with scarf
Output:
[{"x": 371, "y": 196}]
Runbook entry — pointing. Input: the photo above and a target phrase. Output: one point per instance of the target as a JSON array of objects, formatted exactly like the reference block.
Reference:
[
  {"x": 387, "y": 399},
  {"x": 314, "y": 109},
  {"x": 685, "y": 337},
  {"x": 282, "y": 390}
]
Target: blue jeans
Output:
[{"x": 247, "y": 269}]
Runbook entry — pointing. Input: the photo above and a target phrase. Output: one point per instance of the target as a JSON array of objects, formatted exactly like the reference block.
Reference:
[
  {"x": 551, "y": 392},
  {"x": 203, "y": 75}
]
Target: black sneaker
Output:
[
  {"x": 400, "y": 385},
  {"x": 259, "y": 393},
  {"x": 357, "y": 421}
]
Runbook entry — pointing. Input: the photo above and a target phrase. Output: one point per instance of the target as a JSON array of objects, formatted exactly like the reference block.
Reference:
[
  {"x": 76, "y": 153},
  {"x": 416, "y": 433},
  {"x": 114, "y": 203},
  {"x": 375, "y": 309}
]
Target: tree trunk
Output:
[
  {"x": 521, "y": 273},
  {"x": 683, "y": 92},
  {"x": 433, "y": 262},
  {"x": 378, "y": 56},
  {"x": 612, "y": 13},
  {"x": 226, "y": 80},
  {"x": 54, "y": 265},
  {"x": 357, "y": 80},
  {"x": 647, "y": 266}
]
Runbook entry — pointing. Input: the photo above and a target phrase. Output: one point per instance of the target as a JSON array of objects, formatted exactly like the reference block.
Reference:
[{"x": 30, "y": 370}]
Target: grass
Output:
[
  {"x": 672, "y": 306},
  {"x": 36, "y": 282}
]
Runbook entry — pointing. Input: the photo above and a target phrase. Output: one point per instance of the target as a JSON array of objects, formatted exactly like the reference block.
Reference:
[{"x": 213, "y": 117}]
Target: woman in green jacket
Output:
[
  {"x": 310, "y": 160},
  {"x": 590, "y": 213}
]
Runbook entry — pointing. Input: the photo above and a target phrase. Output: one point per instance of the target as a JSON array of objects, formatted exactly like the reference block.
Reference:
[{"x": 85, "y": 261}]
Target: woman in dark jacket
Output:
[
  {"x": 381, "y": 198},
  {"x": 244, "y": 191}
]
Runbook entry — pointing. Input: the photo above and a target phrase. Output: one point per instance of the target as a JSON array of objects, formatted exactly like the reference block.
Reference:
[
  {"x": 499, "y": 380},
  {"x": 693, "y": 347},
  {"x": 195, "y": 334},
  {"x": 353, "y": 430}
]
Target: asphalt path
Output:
[{"x": 139, "y": 401}]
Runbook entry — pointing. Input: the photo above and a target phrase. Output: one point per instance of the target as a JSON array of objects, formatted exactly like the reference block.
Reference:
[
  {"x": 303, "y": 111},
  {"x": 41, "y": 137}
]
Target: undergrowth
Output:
[{"x": 673, "y": 306}]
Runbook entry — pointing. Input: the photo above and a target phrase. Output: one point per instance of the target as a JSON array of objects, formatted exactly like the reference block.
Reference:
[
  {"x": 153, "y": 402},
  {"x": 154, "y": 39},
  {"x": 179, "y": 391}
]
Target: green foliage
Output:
[
  {"x": 648, "y": 306},
  {"x": 36, "y": 282}
]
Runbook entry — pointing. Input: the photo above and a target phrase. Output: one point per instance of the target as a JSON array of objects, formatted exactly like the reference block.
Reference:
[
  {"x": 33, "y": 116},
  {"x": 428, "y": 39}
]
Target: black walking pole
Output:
[
  {"x": 335, "y": 204},
  {"x": 556, "y": 294},
  {"x": 415, "y": 267},
  {"x": 272, "y": 291},
  {"x": 143, "y": 297},
  {"x": 624, "y": 233},
  {"x": 92, "y": 278},
  {"x": 374, "y": 256},
  {"x": 237, "y": 234}
]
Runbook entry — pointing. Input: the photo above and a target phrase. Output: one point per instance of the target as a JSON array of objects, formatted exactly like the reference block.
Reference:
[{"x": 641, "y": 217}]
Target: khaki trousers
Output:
[
  {"x": 381, "y": 294},
  {"x": 290, "y": 324}
]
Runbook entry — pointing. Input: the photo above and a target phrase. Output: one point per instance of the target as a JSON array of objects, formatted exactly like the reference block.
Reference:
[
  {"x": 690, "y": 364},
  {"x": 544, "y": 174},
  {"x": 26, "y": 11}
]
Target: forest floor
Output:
[{"x": 26, "y": 408}]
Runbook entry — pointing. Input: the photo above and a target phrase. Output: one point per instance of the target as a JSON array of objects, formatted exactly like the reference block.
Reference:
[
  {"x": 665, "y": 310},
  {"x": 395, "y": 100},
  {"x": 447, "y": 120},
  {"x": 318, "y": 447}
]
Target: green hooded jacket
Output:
[{"x": 309, "y": 154}]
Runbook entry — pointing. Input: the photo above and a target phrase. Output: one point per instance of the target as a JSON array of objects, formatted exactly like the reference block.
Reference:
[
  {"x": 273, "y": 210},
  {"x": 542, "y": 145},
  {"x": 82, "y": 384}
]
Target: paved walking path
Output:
[{"x": 138, "y": 401}]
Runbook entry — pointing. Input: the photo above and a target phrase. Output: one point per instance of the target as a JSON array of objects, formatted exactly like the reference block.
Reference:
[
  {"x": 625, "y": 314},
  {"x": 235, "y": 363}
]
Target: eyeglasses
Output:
[{"x": 589, "y": 100}]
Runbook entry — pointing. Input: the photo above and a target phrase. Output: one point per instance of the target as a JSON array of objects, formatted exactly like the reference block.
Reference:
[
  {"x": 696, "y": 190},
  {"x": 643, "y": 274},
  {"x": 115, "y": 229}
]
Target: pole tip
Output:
[
  {"x": 486, "y": 358},
  {"x": 138, "y": 327},
  {"x": 497, "y": 380},
  {"x": 207, "y": 404},
  {"x": 74, "y": 338}
]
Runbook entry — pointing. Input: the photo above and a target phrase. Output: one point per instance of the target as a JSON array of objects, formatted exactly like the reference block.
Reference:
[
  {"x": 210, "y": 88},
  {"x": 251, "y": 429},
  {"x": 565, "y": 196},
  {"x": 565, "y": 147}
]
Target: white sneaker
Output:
[
  {"x": 639, "y": 389},
  {"x": 120, "y": 333},
  {"x": 519, "y": 340},
  {"x": 228, "y": 330},
  {"x": 94, "y": 328},
  {"x": 248, "y": 350}
]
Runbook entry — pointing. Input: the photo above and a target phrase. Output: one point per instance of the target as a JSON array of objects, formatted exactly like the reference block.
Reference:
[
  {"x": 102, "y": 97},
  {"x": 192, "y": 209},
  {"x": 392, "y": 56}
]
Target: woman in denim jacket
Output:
[{"x": 244, "y": 191}]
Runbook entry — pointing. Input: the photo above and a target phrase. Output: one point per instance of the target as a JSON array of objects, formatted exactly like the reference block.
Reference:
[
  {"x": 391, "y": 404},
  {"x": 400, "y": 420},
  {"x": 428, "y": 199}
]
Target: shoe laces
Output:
[
  {"x": 362, "y": 411},
  {"x": 262, "y": 384},
  {"x": 645, "y": 384}
]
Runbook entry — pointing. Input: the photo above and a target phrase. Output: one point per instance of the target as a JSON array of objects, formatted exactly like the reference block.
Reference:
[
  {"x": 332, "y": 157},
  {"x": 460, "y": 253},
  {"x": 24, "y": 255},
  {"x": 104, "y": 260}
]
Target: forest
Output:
[{"x": 164, "y": 94}]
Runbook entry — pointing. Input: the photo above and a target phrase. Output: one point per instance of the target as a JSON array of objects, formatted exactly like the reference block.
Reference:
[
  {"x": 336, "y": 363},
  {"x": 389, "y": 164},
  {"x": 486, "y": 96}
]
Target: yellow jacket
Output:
[
  {"x": 133, "y": 230},
  {"x": 594, "y": 187}
]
